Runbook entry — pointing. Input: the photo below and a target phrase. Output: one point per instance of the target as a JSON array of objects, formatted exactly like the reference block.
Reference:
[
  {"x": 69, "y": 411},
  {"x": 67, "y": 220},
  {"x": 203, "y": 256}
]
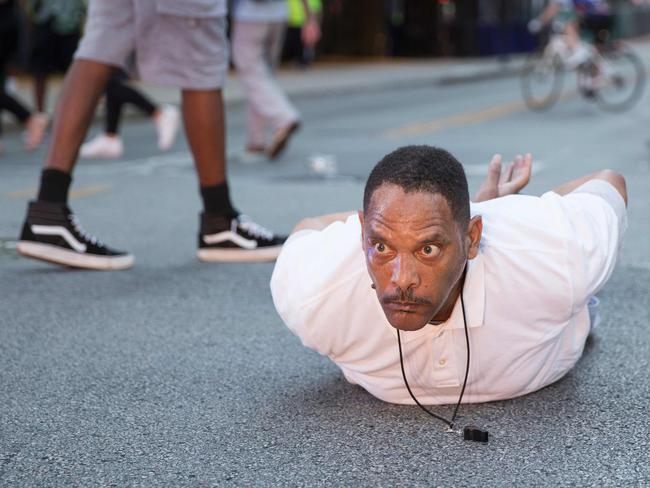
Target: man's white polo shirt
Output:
[{"x": 526, "y": 294}]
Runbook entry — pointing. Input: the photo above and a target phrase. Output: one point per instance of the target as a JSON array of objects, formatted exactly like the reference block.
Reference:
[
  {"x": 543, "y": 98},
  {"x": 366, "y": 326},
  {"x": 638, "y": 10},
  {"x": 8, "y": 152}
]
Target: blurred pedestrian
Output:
[
  {"x": 108, "y": 144},
  {"x": 34, "y": 123},
  {"x": 258, "y": 34},
  {"x": 179, "y": 44},
  {"x": 55, "y": 36},
  {"x": 295, "y": 49}
]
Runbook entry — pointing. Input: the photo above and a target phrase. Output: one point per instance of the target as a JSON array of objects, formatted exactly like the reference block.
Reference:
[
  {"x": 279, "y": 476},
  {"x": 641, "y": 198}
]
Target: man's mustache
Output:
[{"x": 407, "y": 296}]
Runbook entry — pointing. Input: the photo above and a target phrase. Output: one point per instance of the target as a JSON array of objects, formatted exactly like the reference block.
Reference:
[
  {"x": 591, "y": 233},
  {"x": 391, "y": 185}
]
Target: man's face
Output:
[{"x": 415, "y": 254}]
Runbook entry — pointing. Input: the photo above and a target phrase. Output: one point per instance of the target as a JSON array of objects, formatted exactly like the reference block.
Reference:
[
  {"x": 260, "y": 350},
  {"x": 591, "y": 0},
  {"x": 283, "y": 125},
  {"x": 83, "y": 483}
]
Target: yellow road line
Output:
[
  {"x": 76, "y": 193},
  {"x": 456, "y": 120},
  {"x": 88, "y": 191},
  {"x": 461, "y": 119}
]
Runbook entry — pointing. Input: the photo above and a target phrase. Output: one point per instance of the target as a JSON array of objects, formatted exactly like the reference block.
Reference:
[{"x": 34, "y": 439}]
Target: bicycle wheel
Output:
[
  {"x": 541, "y": 80},
  {"x": 621, "y": 81}
]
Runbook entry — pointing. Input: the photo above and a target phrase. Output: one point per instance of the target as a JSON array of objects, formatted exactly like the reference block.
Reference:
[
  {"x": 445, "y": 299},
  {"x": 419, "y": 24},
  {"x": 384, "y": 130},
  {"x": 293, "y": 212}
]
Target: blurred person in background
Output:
[
  {"x": 257, "y": 39},
  {"x": 108, "y": 144},
  {"x": 177, "y": 44},
  {"x": 566, "y": 17},
  {"x": 296, "y": 50},
  {"x": 56, "y": 32},
  {"x": 34, "y": 123}
]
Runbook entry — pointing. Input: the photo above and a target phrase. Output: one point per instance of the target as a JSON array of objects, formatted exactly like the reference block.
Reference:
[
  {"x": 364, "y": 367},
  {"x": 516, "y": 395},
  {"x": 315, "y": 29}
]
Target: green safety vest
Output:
[{"x": 297, "y": 15}]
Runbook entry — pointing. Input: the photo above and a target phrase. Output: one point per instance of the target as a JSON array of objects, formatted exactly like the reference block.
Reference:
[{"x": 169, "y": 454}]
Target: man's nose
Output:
[{"x": 405, "y": 273}]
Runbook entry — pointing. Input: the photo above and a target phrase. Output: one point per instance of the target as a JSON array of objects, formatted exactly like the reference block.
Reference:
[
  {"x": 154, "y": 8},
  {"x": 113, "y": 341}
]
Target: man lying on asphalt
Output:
[{"x": 525, "y": 267}]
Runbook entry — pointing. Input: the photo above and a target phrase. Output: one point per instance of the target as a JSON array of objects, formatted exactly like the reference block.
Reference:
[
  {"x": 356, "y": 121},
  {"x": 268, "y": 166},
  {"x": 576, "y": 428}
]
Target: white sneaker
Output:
[
  {"x": 247, "y": 156},
  {"x": 102, "y": 146},
  {"x": 35, "y": 130},
  {"x": 167, "y": 123}
]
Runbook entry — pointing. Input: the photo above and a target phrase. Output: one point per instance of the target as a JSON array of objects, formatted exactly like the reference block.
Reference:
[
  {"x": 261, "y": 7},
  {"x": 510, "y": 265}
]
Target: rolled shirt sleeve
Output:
[
  {"x": 312, "y": 264},
  {"x": 597, "y": 220}
]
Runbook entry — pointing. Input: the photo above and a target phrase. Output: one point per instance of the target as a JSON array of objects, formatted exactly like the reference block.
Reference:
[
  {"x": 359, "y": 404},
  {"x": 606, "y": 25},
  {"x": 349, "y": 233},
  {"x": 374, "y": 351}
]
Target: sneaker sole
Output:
[
  {"x": 280, "y": 145},
  {"x": 56, "y": 255},
  {"x": 239, "y": 255}
]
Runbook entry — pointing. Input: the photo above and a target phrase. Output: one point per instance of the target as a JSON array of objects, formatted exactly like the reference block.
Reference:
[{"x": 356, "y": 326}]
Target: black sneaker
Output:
[
  {"x": 236, "y": 239},
  {"x": 52, "y": 233}
]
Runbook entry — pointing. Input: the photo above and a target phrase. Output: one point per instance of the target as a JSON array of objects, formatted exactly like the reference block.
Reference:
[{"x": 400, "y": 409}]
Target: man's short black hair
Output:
[{"x": 423, "y": 168}]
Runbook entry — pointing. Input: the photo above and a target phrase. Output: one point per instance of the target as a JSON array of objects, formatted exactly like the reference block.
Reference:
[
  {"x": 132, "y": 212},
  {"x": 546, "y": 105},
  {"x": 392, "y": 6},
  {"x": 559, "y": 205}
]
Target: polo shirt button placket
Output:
[{"x": 444, "y": 372}]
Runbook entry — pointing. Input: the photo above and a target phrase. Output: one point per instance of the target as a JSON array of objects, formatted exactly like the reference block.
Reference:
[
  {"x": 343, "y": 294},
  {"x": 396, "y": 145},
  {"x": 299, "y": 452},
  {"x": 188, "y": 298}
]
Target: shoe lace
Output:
[
  {"x": 85, "y": 235},
  {"x": 253, "y": 228}
]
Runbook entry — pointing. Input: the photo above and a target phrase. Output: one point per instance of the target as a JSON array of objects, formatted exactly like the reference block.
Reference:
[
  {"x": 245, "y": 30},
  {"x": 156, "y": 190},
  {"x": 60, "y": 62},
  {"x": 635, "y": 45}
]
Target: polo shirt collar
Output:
[{"x": 474, "y": 297}]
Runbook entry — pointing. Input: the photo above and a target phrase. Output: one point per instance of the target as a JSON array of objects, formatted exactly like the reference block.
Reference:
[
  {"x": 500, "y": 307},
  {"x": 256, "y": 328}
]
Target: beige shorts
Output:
[{"x": 185, "y": 47}]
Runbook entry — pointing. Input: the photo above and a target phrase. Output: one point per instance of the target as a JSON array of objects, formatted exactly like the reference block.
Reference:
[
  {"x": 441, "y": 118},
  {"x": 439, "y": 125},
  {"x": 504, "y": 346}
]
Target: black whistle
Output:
[{"x": 473, "y": 433}]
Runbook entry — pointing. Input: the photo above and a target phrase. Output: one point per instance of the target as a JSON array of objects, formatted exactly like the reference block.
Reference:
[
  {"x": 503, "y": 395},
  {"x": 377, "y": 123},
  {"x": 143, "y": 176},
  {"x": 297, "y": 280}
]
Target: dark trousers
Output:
[
  {"x": 8, "y": 44},
  {"x": 118, "y": 93}
]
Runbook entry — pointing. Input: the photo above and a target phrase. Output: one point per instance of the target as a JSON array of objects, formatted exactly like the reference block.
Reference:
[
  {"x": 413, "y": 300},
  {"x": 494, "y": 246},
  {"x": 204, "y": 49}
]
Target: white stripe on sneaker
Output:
[
  {"x": 229, "y": 235},
  {"x": 67, "y": 257},
  {"x": 57, "y": 230}
]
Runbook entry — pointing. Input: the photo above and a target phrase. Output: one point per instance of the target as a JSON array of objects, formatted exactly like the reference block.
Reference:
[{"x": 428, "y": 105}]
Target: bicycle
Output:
[{"x": 611, "y": 74}]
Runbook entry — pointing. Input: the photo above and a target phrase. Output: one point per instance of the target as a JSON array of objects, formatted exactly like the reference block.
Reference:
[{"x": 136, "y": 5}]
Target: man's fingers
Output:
[
  {"x": 506, "y": 176},
  {"x": 494, "y": 170},
  {"x": 523, "y": 169},
  {"x": 490, "y": 186}
]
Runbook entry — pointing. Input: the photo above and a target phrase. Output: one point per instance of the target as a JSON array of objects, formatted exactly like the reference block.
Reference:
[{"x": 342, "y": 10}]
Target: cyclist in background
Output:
[{"x": 566, "y": 16}]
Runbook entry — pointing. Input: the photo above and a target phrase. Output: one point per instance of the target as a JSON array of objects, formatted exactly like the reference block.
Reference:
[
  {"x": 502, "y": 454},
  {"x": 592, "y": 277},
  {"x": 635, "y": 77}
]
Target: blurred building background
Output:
[{"x": 447, "y": 27}]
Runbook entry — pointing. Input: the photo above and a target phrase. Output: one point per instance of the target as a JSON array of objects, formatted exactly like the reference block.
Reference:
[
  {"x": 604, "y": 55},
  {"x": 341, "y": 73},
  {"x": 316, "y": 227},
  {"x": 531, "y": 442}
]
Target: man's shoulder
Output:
[
  {"x": 523, "y": 222},
  {"x": 312, "y": 262}
]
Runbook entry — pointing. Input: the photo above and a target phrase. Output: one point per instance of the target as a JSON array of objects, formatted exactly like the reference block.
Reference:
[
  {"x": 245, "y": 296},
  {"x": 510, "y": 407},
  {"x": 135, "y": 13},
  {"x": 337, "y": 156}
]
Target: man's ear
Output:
[
  {"x": 473, "y": 237},
  {"x": 360, "y": 214}
]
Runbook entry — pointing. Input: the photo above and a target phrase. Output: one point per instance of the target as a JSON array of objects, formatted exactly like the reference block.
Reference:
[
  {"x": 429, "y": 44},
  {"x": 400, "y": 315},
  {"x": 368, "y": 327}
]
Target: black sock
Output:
[
  {"x": 54, "y": 186},
  {"x": 216, "y": 200}
]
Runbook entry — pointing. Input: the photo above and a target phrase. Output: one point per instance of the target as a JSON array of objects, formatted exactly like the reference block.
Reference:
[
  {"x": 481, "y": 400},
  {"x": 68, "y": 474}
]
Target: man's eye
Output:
[
  {"x": 430, "y": 250},
  {"x": 380, "y": 247}
]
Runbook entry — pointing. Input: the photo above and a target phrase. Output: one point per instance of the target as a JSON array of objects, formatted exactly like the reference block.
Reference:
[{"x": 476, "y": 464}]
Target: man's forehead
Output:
[{"x": 391, "y": 202}]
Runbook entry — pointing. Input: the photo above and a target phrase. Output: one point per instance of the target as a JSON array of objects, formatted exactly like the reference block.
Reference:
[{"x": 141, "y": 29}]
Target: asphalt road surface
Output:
[{"x": 179, "y": 373}]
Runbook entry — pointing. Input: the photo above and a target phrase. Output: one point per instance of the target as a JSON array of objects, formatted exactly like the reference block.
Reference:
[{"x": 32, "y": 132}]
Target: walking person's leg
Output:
[
  {"x": 118, "y": 93},
  {"x": 34, "y": 123},
  {"x": 166, "y": 118},
  {"x": 203, "y": 115},
  {"x": 82, "y": 87},
  {"x": 108, "y": 144},
  {"x": 51, "y": 232},
  {"x": 114, "y": 103},
  {"x": 283, "y": 130},
  {"x": 256, "y": 127},
  {"x": 225, "y": 234},
  {"x": 9, "y": 103},
  {"x": 256, "y": 122},
  {"x": 253, "y": 65}
]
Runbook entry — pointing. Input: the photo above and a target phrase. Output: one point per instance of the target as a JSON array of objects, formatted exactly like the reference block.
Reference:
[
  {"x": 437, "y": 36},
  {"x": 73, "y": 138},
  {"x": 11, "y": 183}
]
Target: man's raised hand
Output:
[{"x": 500, "y": 183}]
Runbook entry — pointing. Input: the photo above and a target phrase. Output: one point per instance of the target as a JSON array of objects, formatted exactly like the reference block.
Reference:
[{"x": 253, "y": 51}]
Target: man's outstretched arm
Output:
[
  {"x": 319, "y": 223},
  {"x": 596, "y": 218},
  {"x": 612, "y": 177}
]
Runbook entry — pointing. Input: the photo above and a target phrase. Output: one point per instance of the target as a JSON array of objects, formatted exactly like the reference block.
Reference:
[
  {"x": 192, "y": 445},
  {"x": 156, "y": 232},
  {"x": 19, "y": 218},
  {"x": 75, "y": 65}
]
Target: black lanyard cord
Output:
[{"x": 450, "y": 423}]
